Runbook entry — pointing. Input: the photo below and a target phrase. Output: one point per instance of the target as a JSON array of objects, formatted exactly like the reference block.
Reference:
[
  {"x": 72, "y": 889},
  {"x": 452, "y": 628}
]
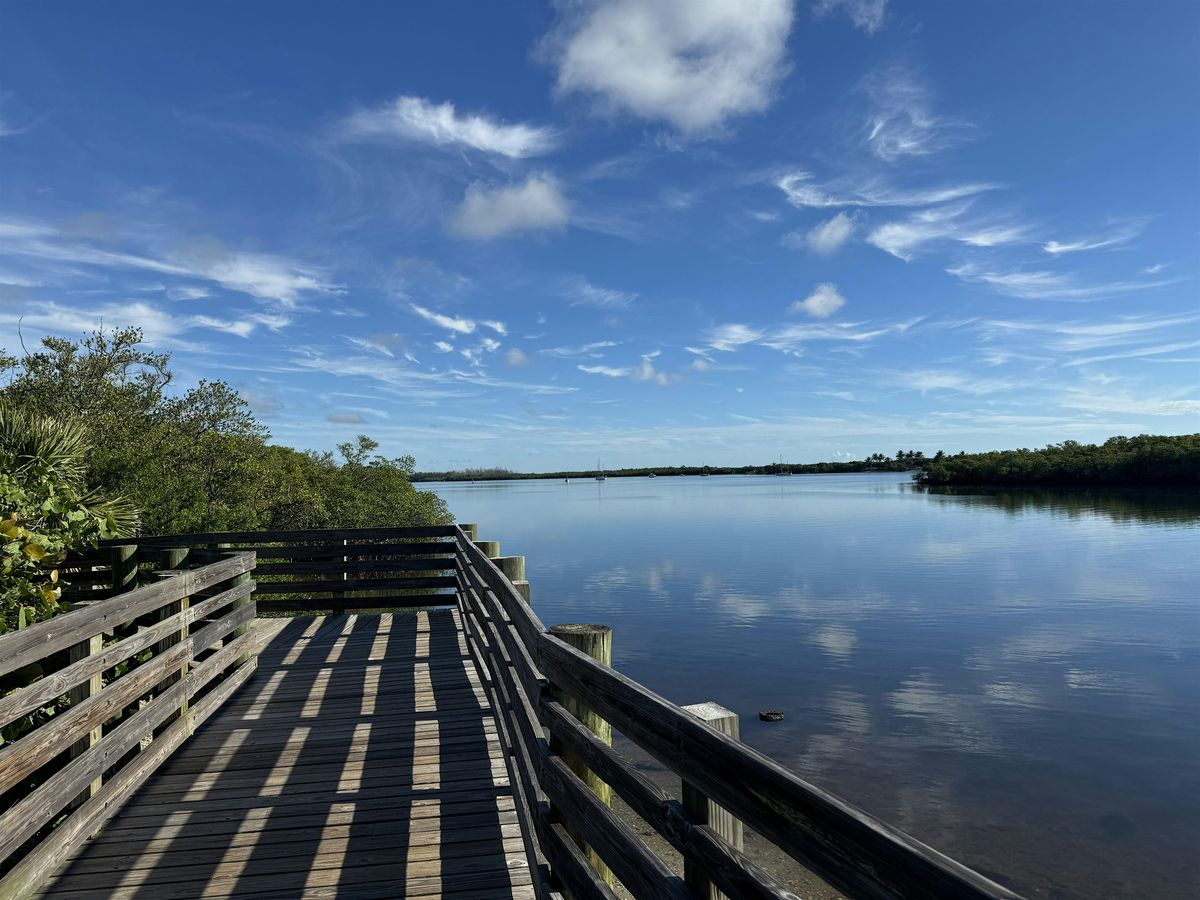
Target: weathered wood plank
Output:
[
  {"x": 20, "y": 648},
  {"x": 848, "y": 848}
]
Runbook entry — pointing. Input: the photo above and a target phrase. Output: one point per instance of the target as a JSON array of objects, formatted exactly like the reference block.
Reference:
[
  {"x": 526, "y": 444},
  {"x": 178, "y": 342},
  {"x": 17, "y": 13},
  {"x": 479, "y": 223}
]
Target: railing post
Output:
[
  {"x": 124, "y": 559},
  {"x": 89, "y": 688},
  {"x": 238, "y": 604},
  {"x": 490, "y": 549},
  {"x": 596, "y": 642},
  {"x": 704, "y": 809}
]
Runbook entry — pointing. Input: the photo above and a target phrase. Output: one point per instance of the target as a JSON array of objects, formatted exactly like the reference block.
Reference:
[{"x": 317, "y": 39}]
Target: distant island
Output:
[{"x": 1141, "y": 461}]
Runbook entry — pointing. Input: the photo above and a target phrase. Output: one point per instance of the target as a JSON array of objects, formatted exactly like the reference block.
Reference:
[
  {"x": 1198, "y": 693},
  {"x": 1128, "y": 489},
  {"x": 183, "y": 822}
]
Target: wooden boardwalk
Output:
[{"x": 361, "y": 760}]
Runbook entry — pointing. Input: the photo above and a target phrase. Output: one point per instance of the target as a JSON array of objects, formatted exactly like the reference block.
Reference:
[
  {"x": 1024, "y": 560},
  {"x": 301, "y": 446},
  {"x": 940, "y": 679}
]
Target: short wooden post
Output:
[
  {"x": 596, "y": 642},
  {"x": 238, "y": 604},
  {"x": 513, "y": 568},
  {"x": 89, "y": 688},
  {"x": 704, "y": 809},
  {"x": 491, "y": 549},
  {"x": 471, "y": 528},
  {"x": 124, "y": 559}
]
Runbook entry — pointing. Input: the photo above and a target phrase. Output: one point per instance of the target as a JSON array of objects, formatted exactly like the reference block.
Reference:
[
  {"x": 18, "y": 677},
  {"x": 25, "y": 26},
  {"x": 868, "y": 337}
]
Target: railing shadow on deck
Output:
[{"x": 337, "y": 769}]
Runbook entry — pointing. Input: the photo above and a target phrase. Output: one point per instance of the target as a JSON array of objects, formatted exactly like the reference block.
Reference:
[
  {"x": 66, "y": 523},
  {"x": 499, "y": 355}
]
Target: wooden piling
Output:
[
  {"x": 704, "y": 809},
  {"x": 471, "y": 528},
  {"x": 491, "y": 549},
  {"x": 596, "y": 642}
]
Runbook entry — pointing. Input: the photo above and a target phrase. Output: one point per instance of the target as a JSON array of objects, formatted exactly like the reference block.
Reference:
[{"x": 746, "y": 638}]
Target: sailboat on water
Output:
[
  {"x": 782, "y": 469},
  {"x": 600, "y": 476}
]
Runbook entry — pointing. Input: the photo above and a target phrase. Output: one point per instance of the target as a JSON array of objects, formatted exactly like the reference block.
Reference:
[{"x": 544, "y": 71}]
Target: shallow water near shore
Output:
[{"x": 1011, "y": 677}]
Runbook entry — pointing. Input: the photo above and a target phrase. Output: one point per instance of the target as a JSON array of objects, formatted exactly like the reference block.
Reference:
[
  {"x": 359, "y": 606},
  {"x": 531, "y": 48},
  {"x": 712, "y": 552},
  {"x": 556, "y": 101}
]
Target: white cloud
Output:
[
  {"x": 1043, "y": 285},
  {"x": 515, "y": 358},
  {"x": 803, "y": 191},
  {"x": 944, "y": 223},
  {"x": 608, "y": 371},
  {"x": 584, "y": 293},
  {"x": 728, "y": 338},
  {"x": 792, "y": 338},
  {"x": 265, "y": 276},
  {"x": 901, "y": 122},
  {"x": 443, "y": 346},
  {"x": 694, "y": 65},
  {"x": 450, "y": 323},
  {"x": 1122, "y": 235},
  {"x": 822, "y": 303},
  {"x": 646, "y": 371},
  {"x": 925, "y": 380},
  {"x": 417, "y": 119},
  {"x": 830, "y": 235},
  {"x": 498, "y": 327},
  {"x": 865, "y": 14},
  {"x": 537, "y": 204},
  {"x": 582, "y": 350}
]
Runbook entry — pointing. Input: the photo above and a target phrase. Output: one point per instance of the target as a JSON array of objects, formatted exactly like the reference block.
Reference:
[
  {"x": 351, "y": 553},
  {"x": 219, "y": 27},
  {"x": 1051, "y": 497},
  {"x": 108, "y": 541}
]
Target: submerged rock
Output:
[{"x": 771, "y": 715}]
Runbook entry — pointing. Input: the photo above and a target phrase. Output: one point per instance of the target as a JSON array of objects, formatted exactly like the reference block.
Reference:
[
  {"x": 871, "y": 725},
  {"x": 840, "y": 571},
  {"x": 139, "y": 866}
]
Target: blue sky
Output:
[{"x": 528, "y": 234}]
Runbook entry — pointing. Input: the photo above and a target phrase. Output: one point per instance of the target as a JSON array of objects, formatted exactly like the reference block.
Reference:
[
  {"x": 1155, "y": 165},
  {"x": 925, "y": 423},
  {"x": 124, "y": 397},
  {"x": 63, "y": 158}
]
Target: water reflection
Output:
[
  {"x": 1132, "y": 507},
  {"x": 1011, "y": 676}
]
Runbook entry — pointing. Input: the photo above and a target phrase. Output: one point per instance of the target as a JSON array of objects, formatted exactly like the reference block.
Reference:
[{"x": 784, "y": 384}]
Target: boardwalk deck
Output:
[{"x": 361, "y": 760}]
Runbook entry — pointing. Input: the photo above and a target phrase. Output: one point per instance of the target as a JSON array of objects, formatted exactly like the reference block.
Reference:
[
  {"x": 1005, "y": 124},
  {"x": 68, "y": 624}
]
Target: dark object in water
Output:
[{"x": 771, "y": 715}]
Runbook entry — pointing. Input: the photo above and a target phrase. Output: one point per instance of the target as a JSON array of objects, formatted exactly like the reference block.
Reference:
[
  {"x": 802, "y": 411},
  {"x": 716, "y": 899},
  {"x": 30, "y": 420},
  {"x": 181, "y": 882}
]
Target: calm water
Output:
[{"x": 1012, "y": 678}]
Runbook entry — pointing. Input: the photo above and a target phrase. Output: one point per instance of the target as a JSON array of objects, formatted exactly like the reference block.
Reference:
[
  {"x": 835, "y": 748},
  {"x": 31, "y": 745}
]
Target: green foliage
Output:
[
  {"x": 46, "y": 509},
  {"x": 1142, "y": 461},
  {"x": 200, "y": 461}
]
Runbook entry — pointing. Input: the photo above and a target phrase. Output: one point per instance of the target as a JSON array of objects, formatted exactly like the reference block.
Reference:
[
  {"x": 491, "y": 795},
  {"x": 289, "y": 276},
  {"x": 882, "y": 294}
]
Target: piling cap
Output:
[{"x": 580, "y": 629}]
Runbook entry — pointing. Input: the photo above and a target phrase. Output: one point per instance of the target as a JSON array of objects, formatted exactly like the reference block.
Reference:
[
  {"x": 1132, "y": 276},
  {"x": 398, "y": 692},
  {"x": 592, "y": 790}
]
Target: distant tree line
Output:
[
  {"x": 903, "y": 461},
  {"x": 199, "y": 460},
  {"x": 1142, "y": 461},
  {"x": 1145, "y": 460}
]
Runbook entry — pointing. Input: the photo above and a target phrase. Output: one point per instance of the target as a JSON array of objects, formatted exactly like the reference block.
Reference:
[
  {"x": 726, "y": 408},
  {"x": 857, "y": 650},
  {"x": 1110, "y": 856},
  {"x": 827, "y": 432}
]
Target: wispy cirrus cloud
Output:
[
  {"x": 409, "y": 118},
  {"x": 263, "y": 276},
  {"x": 457, "y": 324},
  {"x": 803, "y": 190},
  {"x": 607, "y": 371},
  {"x": 869, "y": 15},
  {"x": 905, "y": 237},
  {"x": 694, "y": 66},
  {"x": 1081, "y": 343},
  {"x": 900, "y": 122},
  {"x": 1116, "y": 237},
  {"x": 487, "y": 212},
  {"x": 791, "y": 339},
  {"x": 1045, "y": 285},
  {"x": 582, "y": 292},
  {"x": 591, "y": 349}
]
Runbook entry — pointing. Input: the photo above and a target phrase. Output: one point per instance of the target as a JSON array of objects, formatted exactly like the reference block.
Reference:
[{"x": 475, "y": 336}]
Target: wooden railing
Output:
[
  {"x": 341, "y": 569},
  {"x": 94, "y": 700},
  {"x": 564, "y": 769},
  {"x": 555, "y": 708}
]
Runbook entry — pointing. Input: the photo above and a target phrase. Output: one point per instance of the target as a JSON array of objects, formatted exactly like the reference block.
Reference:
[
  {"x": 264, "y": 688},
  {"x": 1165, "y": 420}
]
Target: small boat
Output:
[
  {"x": 782, "y": 470},
  {"x": 600, "y": 476},
  {"x": 651, "y": 475}
]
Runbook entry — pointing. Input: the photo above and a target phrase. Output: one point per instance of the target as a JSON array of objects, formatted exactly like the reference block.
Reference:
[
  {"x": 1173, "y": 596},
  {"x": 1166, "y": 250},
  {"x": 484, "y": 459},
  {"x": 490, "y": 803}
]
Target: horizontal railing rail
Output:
[
  {"x": 340, "y": 569},
  {"x": 94, "y": 700},
  {"x": 557, "y": 762}
]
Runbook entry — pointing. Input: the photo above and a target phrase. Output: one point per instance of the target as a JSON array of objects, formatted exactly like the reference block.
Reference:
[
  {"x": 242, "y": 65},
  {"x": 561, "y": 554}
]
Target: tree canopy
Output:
[{"x": 199, "y": 460}]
